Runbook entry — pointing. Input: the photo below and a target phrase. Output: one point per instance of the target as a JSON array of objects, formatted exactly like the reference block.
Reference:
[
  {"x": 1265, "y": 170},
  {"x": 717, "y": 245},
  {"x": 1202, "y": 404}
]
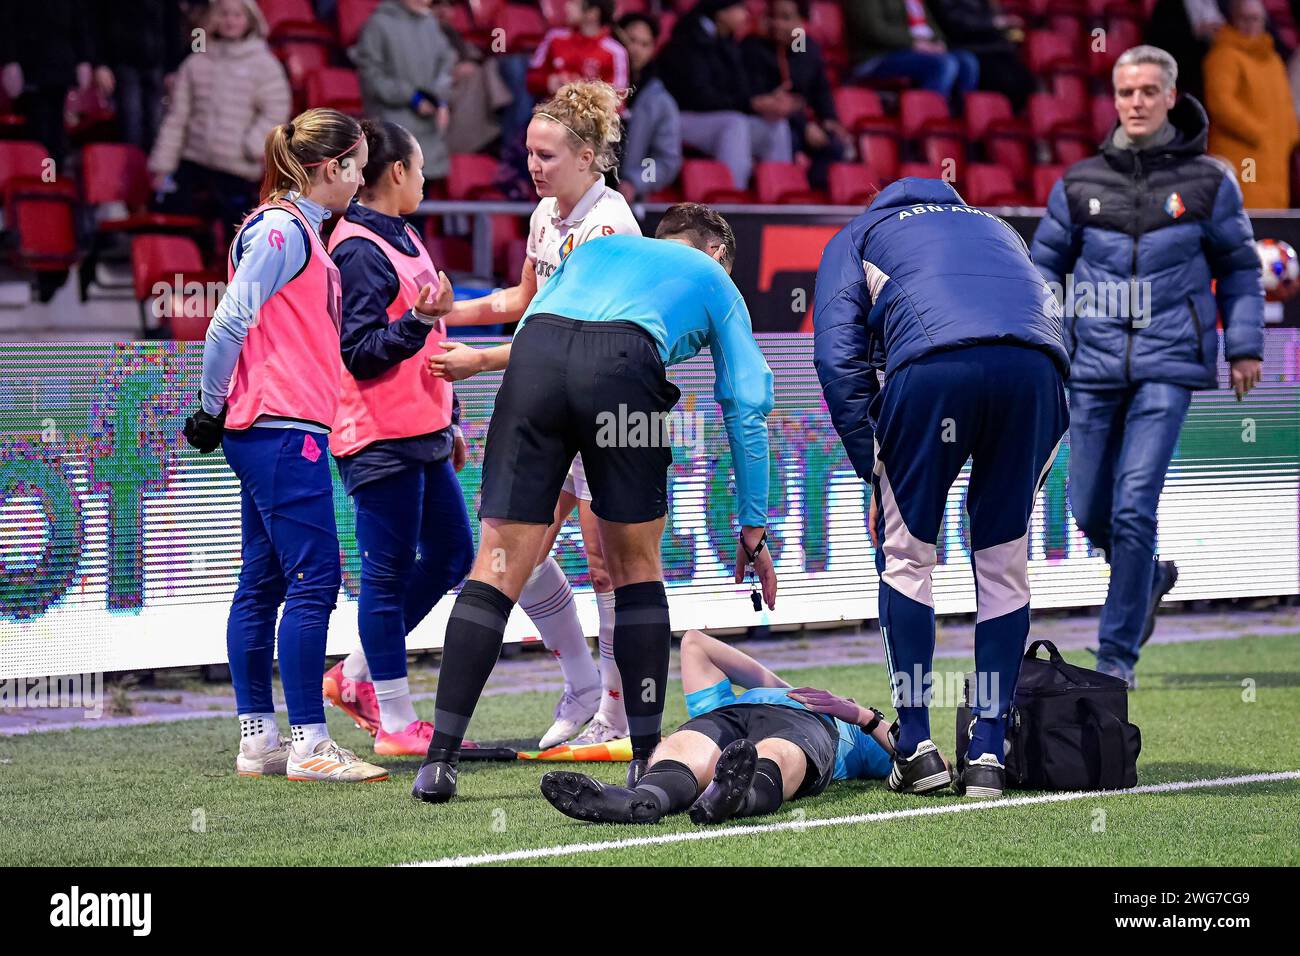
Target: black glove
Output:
[{"x": 203, "y": 431}]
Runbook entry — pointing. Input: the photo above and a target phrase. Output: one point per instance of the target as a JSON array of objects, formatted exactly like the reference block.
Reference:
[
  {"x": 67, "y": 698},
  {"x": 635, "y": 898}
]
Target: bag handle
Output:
[
  {"x": 1053, "y": 654},
  {"x": 1110, "y": 743}
]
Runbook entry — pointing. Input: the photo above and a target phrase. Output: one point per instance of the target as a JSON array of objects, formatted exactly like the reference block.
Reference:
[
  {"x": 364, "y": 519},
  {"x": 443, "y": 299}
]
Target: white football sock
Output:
[
  {"x": 547, "y": 599},
  {"x": 396, "y": 712},
  {"x": 355, "y": 666},
  {"x": 307, "y": 736},
  {"x": 259, "y": 730},
  {"x": 612, "y": 710}
]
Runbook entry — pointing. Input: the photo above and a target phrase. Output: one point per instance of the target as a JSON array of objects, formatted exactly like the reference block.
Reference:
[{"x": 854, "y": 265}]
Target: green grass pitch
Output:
[{"x": 167, "y": 794}]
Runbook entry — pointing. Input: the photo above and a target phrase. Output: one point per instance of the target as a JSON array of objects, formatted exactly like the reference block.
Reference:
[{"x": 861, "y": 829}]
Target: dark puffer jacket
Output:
[
  {"x": 1170, "y": 218},
  {"x": 919, "y": 272}
]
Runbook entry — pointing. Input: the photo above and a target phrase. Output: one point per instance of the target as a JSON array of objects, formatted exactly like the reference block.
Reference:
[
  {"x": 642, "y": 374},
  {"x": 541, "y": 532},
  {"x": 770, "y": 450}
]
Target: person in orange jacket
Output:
[{"x": 1252, "y": 120}]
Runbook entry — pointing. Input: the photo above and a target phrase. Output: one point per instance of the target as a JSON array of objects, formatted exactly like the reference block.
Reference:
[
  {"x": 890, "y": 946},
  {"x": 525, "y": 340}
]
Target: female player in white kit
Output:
[{"x": 571, "y": 142}]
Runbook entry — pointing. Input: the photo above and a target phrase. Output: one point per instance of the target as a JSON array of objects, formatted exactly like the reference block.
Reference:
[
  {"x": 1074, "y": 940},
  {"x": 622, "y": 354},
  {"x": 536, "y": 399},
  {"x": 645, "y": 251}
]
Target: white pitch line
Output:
[{"x": 573, "y": 849}]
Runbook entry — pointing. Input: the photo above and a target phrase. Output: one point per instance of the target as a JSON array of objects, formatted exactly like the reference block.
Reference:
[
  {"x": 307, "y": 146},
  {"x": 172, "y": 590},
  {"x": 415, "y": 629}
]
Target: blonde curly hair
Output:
[{"x": 588, "y": 109}]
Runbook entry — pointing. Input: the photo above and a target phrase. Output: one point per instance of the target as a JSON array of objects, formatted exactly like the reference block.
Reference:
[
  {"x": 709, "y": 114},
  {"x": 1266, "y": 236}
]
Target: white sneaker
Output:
[
  {"x": 257, "y": 760},
  {"x": 334, "y": 764},
  {"x": 599, "y": 731},
  {"x": 571, "y": 713}
]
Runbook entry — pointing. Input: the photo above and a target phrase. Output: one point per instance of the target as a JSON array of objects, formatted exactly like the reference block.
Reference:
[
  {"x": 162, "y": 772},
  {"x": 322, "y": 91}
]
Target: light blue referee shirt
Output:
[{"x": 686, "y": 301}]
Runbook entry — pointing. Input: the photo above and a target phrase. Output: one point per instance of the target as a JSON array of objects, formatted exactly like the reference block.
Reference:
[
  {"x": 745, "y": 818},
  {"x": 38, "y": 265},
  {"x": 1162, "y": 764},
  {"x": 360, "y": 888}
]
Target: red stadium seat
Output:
[
  {"x": 1004, "y": 136},
  {"x": 880, "y": 150},
  {"x": 294, "y": 20},
  {"x": 988, "y": 185},
  {"x": 450, "y": 253},
  {"x": 920, "y": 170},
  {"x": 852, "y": 184},
  {"x": 826, "y": 24},
  {"x": 336, "y": 87},
  {"x": 1121, "y": 34},
  {"x": 1045, "y": 177},
  {"x": 1047, "y": 52},
  {"x": 117, "y": 173},
  {"x": 925, "y": 120},
  {"x": 301, "y": 59},
  {"x": 860, "y": 111},
  {"x": 41, "y": 215},
  {"x": 352, "y": 16},
  {"x": 784, "y": 183},
  {"x": 473, "y": 176},
  {"x": 1104, "y": 117},
  {"x": 709, "y": 181},
  {"x": 1061, "y": 124},
  {"x": 22, "y": 158},
  {"x": 158, "y": 260}
]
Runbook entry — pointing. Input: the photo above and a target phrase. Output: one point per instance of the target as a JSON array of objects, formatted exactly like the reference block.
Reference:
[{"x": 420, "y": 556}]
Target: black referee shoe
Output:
[
  {"x": 923, "y": 772},
  {"x": 577, "y": 795},
  {"x": 731, "y": 780},
  {"x": 436, "y": 782}
]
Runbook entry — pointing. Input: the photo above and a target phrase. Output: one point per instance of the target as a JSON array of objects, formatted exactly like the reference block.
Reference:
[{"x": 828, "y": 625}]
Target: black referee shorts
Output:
[
  {"x": 811, "y": 733},
  {"x": 575, "y": 387}
]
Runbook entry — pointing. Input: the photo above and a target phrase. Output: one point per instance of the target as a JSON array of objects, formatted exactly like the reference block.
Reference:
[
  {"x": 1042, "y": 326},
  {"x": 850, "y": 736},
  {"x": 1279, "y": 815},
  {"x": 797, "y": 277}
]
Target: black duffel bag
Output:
[{"x": 1068, "y": 727}]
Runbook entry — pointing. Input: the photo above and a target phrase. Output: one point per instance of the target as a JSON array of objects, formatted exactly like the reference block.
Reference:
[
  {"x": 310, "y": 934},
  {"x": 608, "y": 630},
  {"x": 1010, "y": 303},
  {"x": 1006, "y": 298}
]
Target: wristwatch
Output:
[{"x": 874, "y": 722}]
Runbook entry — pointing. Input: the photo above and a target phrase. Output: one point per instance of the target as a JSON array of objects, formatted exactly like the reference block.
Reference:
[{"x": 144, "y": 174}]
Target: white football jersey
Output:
[{"x": 601, "y": 212}]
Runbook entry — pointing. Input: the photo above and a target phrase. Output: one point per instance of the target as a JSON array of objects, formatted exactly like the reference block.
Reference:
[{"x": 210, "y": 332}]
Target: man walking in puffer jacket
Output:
[{"x": 1134, "y": 237}]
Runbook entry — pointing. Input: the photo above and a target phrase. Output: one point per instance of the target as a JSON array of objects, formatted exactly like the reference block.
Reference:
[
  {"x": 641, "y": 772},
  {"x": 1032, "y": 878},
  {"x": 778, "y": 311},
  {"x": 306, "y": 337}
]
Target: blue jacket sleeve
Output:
[
  {"x": 742, "y": 385},
  {"x": 1234, "y": 263},
  {"x": 1056, "y": 243},
  {"x": 371, "y": 345},
  {"x": 842, "y": 348},
  {"x": 262, "y": 268}
]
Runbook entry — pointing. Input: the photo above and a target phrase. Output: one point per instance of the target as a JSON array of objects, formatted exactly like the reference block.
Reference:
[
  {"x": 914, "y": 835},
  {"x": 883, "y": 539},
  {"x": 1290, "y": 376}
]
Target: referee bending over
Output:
[{"x": 593, "y": 346}]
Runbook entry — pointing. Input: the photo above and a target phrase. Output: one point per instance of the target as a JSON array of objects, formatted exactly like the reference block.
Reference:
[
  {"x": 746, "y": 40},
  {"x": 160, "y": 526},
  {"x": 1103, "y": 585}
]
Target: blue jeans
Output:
[
  {"x": 415, "y": 542},
  {"x": 1121, "y": 443},
  {"x": 938, "y": 72},
  {"x": 291, "y": 556}
]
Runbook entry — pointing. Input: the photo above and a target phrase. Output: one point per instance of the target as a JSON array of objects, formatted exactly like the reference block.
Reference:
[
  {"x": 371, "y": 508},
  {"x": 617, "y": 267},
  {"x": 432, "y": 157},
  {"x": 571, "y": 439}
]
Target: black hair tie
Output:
[{"x": 288, "y": 131}]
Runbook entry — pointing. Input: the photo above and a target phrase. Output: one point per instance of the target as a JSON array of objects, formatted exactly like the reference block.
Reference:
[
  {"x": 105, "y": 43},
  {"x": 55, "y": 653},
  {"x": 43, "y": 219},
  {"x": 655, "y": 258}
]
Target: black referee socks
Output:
[
  {"x": 766, "y": 792},
  {"x": 469, "y": 652},
  {"x": 642, "y": 639},
  {"x": 671, "y": 785}
]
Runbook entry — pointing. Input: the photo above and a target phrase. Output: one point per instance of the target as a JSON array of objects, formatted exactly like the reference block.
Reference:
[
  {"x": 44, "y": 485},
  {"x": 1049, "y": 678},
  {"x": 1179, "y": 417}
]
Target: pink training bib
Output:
[
  {"x": 406, "y": 400},
  {"x": 289, "y": 365}
]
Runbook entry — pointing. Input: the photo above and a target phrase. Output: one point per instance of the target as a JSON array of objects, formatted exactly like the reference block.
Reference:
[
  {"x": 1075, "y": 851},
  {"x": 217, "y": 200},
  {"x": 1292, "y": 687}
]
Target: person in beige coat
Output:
[
  {"x": 229, "y": 94},
  {"x": 1252, "y": 120}
]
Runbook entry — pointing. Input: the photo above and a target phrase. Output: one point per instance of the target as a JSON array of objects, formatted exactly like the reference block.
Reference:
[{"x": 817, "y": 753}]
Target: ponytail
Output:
[{"x": 310, "y": 139}]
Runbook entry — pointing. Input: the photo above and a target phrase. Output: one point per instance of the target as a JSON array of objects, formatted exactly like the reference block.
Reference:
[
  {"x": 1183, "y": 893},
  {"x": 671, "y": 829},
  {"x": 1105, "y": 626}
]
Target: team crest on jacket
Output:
[
  {"x": 1094, "y": 206},
  {"x": 1174, "y": 205},
  {"x": 567, "y": 247}
]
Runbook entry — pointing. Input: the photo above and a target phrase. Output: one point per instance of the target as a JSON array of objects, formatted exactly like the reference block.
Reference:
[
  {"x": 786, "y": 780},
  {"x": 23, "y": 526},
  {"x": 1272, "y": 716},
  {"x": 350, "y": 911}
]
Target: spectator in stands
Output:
[
  {"x": 1152, "y": 214},
  {"x": 584, "y": 50},
  {"x": 975, "y": 27},
  {"x": 784, "y": 58},
  {"x": 405, "y": 66},
  {"x": 46, "y": 48},
  {"x": 478, "y": 93},
  {"x": 899, "y": 39},
  {"x": 652, "y": 141},
  {"x": 1185, "y": 28},
  {"x": 704, "y": 70},
  {"x": 137, "y": 46},
  {"x": 226, "y": 98},
  {"x": 1252, "y": 118}
]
